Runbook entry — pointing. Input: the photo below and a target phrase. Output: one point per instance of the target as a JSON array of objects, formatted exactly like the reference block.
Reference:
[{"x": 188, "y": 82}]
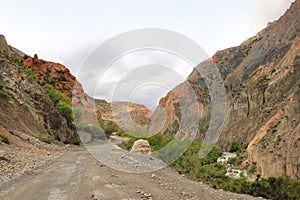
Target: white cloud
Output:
[
  {"x": 140, "y": 76},
  {"x": 71, "y": 33}
]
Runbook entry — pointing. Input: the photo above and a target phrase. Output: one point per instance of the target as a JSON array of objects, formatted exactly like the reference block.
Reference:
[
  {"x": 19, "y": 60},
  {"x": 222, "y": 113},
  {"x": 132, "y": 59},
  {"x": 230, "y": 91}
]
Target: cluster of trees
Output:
[{"x": 209, "y": 171}]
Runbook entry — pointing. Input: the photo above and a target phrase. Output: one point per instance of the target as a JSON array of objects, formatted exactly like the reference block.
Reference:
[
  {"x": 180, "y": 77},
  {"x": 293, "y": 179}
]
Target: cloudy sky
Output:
[{"x": 68, "y": 32}]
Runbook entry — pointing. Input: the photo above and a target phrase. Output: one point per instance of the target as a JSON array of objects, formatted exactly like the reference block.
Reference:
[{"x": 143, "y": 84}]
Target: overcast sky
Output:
[{"x": 68, "y": 31}]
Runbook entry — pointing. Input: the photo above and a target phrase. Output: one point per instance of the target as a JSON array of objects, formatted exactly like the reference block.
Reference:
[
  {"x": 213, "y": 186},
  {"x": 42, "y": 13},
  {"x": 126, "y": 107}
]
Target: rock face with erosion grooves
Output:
[{"x": 141, "y": 146}]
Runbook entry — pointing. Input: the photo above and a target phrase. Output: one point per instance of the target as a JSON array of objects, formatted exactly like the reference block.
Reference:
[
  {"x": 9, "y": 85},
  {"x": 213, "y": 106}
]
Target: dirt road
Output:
[{"x": 77, "y": 175}]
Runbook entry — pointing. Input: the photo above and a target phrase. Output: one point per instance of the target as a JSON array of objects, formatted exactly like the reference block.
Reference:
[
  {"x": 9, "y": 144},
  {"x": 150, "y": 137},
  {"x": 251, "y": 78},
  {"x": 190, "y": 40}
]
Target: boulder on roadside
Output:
[{"x": 141, "y": 146}]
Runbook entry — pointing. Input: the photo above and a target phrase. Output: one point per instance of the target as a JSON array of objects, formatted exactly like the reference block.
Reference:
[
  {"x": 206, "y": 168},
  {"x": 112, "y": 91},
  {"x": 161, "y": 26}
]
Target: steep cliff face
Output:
[
  {"x": 25, "y": 107},
  {"x": 138, "y": 113},
  {"x": 261, "y": 78}
]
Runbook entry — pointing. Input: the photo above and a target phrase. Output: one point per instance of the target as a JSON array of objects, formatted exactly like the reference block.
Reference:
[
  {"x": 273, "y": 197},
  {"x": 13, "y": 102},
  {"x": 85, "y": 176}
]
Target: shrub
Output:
[
  {"x": 92, "y": 128},
  {"x": 63, "y": 78},
  {"x": 29, "y": 72},
  {"x": 48, "y": 70},
  {"x": 54, "y": 94},
  {"x": 51, "y": 80},
  {"x": 110, "y": 128},
  {"x": 234, "y": 147},
  {"x": 66, "y": 111},
  {"x": 4, "y": 139},
  {"x": 61, "y": 103},
  {"x": 16, "y": 60},
  {"x": 190, "y": 163},
  {"x": 44, "y": 138},
  {"x": 75, "y": 140}
]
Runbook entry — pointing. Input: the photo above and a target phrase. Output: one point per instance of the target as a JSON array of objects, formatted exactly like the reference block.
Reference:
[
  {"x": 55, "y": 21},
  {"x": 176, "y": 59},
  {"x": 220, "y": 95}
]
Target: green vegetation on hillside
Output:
[
  {"x": 111, "y": 127},
  {"x": 209, "y": 171},
  {"x": 44, "y": 138},
  {"x": 29, "y": 72},
  {"x": 4, "y": 139},
  {"x": 61, "y": 103},
  {"x": 17, "y": 61}
]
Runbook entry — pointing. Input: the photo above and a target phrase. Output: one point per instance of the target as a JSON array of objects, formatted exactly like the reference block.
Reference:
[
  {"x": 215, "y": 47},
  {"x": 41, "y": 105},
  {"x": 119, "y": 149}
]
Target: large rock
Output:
[
  {"x": 4, "y": 49},
  {"x": 141, "y": 146}
]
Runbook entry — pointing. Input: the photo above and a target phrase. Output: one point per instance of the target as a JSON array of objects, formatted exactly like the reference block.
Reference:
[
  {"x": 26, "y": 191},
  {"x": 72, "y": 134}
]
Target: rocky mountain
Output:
[
  {"x": 25, "y": 107},
  {"x": 37, "y": 101},
  {"x": 140, "y": 114},
  {"x": 30, "y": 123},
  {"x": 54, "y": 74},
  {"x": 261, "y": 78},
  {"x": 56, "y": 78}
]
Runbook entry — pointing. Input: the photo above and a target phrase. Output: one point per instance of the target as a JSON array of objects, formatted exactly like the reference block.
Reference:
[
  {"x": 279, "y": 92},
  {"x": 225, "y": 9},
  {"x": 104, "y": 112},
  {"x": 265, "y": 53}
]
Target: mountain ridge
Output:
[{"x": 262, "y": 91}]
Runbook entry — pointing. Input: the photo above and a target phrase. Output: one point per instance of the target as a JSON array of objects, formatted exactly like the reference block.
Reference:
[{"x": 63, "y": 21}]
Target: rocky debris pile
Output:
[
  {"x": 141, "y": 146},
  {"x": 18, "y": 162},
  {"x": 25, "y": 153}
]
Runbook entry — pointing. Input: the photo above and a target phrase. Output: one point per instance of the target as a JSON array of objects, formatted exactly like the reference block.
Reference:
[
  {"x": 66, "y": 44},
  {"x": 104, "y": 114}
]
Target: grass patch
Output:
[
  {"x": 17, "y": 61},
  {"x": 29, "y": 72},
  {"x": 44, "y": 138}
]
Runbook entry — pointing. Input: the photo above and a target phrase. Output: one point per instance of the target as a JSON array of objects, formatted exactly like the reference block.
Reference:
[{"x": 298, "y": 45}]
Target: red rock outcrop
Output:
[{"x": 25, "y": 107}]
